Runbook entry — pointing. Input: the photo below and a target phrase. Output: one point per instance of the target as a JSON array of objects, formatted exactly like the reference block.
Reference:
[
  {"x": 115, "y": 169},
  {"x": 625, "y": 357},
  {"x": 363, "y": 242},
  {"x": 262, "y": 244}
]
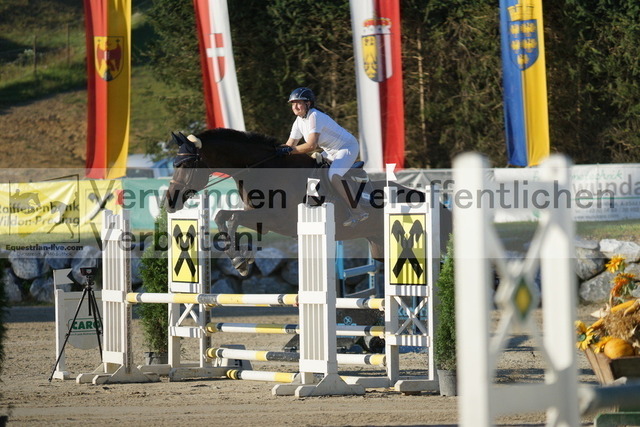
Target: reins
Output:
[{"x": 219, "y": 180}]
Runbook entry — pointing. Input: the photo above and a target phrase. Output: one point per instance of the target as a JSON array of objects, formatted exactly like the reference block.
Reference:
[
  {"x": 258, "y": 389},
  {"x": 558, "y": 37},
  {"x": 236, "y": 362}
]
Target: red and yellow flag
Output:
[{"x": 108, "y": 33}]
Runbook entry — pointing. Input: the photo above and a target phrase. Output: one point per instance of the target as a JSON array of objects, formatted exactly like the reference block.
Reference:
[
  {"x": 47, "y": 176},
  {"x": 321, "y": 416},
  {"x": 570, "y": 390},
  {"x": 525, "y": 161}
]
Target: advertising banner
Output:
[{"x": 59, "y": 211}]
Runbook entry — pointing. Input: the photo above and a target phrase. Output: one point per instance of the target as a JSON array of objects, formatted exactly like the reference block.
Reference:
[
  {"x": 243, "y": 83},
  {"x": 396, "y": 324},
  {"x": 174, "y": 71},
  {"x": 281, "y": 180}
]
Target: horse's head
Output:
[{"x": 190, "y": 174}]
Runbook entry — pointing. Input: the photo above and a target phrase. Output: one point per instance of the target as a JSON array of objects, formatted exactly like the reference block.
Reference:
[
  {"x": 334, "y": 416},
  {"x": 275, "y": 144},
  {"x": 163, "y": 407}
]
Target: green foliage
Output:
[
  {"x": 277, "y": 46},
  {"x": 452, "y": 81},
  {"x": 451, "y": 67},
  {"x": 445, "y": 339},
  {"x": 154, "y": 273},
  {"x": 175, "y": 59},
  {"x": 592, "y": 68}
]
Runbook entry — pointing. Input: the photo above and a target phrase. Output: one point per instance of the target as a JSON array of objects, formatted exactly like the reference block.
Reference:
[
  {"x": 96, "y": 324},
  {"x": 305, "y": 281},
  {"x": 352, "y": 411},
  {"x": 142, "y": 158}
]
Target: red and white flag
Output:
[
  {"x": 222, "y": 97},
  {"x": 377, "y": 51}
]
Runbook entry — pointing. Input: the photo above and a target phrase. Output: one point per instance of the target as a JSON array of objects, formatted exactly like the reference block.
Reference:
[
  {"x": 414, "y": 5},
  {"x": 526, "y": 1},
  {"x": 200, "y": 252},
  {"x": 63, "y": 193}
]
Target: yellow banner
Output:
[
  {"x": 55, "y": 211},
  {"x": 119, "y": 92},
  {"x": 535, "y": 98}
]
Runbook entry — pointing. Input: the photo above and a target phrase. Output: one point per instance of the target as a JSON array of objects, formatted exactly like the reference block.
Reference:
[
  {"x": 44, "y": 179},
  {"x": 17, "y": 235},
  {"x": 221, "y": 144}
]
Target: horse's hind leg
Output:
[{"x": 241, "y": 258}]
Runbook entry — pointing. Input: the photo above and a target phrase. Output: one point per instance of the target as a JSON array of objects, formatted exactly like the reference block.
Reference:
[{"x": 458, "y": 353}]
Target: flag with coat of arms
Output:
[
  {"x": 108, "y": 41},
  {"x": 377, "y": 51},
  {"x": 524, "y": 82}
]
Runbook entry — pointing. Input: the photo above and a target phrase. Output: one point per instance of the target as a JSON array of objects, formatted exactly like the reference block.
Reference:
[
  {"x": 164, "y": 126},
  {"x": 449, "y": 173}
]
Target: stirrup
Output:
[{"x": 355, "y": 219}]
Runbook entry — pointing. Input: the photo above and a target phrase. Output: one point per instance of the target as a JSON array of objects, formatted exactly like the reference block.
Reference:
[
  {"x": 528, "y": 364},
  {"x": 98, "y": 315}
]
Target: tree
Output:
[
  {"x": 176, "y": 61},
  {"x": 452, "y": 72}
]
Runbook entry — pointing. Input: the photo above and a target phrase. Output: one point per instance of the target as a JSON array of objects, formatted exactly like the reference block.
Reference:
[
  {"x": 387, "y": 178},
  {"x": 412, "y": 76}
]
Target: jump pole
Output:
[
  {"x": 246, "y": 300},
  {"x": 286, "y": 356}
]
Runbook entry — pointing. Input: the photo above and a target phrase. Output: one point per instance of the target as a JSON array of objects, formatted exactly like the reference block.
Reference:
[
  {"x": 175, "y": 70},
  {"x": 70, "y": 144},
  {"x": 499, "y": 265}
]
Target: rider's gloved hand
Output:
[{"x": 283, "y": 150}]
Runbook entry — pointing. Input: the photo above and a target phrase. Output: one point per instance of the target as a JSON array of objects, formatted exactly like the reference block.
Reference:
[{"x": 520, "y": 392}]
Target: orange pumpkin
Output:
[{"x": 617, "y": 347}]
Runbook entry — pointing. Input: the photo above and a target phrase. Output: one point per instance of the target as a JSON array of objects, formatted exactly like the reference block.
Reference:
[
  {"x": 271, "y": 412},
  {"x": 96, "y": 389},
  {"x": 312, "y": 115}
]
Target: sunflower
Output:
[
  {"x": 619, "y": 282},
  {"x": 616, "y": 264},
  {"x": 585, "y": 336}
]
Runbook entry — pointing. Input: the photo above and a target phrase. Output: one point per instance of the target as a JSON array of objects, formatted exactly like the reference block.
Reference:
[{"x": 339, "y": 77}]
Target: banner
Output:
[
  {"x": 108, "y": 39},
  {"x": 524, "y": 80},
  {"x": 61, "y": 210},
  {"x": 222, "y": 97},
  {"x": 377, "y": 52}
]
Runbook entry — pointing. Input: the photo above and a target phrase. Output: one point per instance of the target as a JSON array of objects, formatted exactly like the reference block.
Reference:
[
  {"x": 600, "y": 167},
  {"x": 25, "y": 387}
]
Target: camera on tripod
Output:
[{"x": 88, "y": 271}]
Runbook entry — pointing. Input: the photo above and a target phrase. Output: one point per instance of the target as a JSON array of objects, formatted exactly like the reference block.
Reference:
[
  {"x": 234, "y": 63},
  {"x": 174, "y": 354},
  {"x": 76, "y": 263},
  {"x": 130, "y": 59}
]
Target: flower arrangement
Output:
[{"x": 617, "y": 332}]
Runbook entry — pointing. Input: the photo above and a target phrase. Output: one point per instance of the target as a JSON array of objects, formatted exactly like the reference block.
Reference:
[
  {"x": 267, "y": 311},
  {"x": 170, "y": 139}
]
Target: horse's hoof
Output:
[{"x": 241, "y": 265}]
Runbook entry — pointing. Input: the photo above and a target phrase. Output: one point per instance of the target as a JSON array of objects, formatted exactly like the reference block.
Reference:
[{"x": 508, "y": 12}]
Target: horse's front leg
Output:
[{"x": 241, "y": 258}]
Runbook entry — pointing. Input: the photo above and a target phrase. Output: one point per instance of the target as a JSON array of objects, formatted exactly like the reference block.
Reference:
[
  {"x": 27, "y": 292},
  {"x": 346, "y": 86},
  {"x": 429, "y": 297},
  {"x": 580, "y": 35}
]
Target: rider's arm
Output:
[
  {"x": 291, "y": 142},
  {"x": 310, "y": 145}
]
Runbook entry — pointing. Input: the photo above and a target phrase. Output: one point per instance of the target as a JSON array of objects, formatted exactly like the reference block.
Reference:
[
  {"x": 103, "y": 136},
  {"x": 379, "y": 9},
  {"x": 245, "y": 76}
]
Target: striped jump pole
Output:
[
  {"x": 291, "y": 329},
  {"x": 283, "y": 356},
  {"x": 249, "y": 300},
  {"x": 255, "y": 300},
  {"x": 278, "y": 377}
]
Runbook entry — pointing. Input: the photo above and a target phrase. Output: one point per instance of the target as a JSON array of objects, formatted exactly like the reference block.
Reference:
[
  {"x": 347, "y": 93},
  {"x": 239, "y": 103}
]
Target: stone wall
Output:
[
  {"x": 595, "y": 281},
  {"x": 27, "y": 275}
]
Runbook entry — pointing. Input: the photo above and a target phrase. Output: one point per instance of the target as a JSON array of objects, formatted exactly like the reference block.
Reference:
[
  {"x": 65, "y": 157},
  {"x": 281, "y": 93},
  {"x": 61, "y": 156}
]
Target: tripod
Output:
[{"x": 88, "y": 293}]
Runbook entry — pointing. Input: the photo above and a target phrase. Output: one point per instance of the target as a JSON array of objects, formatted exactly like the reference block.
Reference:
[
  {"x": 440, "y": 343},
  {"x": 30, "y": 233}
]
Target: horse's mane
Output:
[{"x": 210, "y": 135}]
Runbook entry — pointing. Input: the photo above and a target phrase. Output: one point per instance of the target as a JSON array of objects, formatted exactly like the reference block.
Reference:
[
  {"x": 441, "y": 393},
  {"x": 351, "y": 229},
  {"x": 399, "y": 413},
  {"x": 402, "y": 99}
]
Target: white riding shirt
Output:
[{"x": 338, "y": 144}]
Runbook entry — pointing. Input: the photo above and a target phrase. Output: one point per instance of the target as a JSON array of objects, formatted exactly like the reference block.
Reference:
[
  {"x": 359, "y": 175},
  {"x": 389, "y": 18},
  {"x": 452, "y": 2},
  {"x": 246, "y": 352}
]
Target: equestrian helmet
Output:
[{"x": 302, "y": 94}]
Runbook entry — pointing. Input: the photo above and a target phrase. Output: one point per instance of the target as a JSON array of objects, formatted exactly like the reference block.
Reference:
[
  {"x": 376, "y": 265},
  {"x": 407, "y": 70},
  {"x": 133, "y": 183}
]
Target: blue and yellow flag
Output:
[{"x": 524, "y": 80}]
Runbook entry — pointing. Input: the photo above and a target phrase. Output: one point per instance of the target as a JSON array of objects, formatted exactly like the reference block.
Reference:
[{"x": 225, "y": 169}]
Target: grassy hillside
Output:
[{"x": 42, "y": 53}]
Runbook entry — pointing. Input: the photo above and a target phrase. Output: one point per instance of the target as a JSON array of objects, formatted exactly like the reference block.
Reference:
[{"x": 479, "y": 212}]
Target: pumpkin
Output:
[{"x": 617, "y": 347}]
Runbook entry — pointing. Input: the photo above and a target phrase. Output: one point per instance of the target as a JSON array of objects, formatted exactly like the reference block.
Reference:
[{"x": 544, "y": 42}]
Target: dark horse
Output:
[{"x": 271, "y": 188}]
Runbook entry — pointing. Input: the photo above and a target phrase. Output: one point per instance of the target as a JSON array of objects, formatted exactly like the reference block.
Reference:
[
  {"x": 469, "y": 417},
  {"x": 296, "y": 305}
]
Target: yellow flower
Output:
[
  {"x": 620, "y": 281},
  {"x": 585, "y": 335},
  {"x": 616, "y": 264}
]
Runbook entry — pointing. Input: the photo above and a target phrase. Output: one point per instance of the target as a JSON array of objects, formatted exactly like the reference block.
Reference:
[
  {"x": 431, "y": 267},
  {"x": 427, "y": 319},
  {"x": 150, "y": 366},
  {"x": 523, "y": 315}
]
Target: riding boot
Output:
[{"x": 355, "y": 218}]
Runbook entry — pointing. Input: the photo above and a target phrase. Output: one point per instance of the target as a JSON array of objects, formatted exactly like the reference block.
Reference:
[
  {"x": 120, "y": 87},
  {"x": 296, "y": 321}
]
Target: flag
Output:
[
  {"x": 312, "y": 187},
  {"x": 524, "y": 81},
  {"x": 391, "y": 176},
  {"x": 222, "y": 97},
  {"x": 377, "y": 51},
  {"x": 108, "y": 39}
]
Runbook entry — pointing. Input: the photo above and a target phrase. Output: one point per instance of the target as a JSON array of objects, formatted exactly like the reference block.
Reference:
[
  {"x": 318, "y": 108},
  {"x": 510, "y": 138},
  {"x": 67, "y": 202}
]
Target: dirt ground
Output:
[{"x": 29, "y": 399}]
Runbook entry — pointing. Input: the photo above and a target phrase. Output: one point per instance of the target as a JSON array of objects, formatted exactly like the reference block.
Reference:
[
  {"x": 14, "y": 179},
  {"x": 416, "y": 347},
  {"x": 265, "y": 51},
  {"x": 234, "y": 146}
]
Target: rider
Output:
[{"x": 320, "y": 130}]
